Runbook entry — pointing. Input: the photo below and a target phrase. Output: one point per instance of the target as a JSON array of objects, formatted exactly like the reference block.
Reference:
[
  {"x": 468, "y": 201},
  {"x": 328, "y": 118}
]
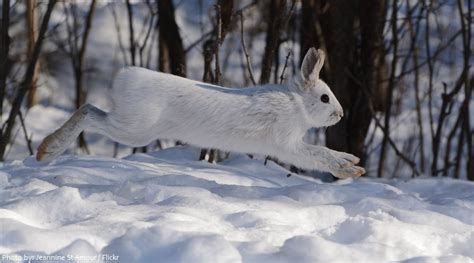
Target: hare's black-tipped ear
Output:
[{"x": 312, "y": 64}]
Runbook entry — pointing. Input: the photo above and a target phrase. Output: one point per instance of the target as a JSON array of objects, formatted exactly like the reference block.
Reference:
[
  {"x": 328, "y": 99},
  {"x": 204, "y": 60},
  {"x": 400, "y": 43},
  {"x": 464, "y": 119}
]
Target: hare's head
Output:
[{"x": 319, "y": 102}]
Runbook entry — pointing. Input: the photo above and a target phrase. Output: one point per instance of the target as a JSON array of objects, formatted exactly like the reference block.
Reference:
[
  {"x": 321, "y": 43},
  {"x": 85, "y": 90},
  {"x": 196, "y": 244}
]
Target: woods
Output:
[{"x": 401, "y": 69}]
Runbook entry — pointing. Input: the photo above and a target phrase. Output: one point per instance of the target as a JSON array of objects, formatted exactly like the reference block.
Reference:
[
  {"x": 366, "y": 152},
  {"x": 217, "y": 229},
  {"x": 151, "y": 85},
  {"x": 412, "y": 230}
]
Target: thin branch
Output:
[
  {"x": 27, "y": 139},
  {"x": 284, "y": 67},
  {"x": 145, "y": 41},
  {"x": 413, "y": 37},
  {"x": 430, "y": 68},
  {"x": 244, "y": 48},
  {"x": 199, "y": 40},
  {"x": 119, "y": 35}
]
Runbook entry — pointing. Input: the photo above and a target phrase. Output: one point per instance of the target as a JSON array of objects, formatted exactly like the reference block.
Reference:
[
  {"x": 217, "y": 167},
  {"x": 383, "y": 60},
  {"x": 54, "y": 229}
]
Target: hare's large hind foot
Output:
[
  {"x": 51, "y": 147},
  {"x": 348, "y": 172}
]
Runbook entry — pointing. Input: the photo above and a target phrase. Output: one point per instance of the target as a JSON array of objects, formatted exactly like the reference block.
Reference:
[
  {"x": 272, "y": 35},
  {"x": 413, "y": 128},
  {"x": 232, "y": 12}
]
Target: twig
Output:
[
  {"x": 119, "y": 34},
  {"x": 28, "y": 140},
  {"x": 150, "y": 49},
  {"x": 395, "y": 148},
  {"x": 145, "y": 41},
  {"x": 199, "y": 40},
  {"x": 452, "y": 133},
  {"x": 244, "y": 47},
  {"x": 284, "y": 67},
  {"x": 430, "y": 70}
]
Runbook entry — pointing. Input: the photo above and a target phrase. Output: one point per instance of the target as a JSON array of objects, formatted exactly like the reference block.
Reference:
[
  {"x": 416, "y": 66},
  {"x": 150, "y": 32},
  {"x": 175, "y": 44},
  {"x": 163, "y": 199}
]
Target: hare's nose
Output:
[{"x": 339, "y": 114}]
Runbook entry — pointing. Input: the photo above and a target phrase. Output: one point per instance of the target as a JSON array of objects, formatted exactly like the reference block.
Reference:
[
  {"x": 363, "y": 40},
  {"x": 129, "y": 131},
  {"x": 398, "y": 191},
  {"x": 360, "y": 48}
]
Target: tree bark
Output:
[
  {"x": 310, "y": 32},
  {"x": 372, "y": 21},
  {"x": 172, "y": 57},
  {"x": 335, "y": 26},
  {"x": 275, "y": 25},
  {"x": 131, "y": 31},
  {"x": 32, "y": 25},
  {"x": 338, "y": 23},
  {"x": 4, "y": 50}
]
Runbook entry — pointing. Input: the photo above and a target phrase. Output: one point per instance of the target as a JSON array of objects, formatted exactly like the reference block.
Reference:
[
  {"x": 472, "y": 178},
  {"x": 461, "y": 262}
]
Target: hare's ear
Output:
[{"x": 312, "y": 64}]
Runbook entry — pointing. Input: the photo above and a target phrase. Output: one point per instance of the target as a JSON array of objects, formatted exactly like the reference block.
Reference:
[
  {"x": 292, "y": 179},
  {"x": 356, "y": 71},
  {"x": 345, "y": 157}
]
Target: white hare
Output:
[{"x": 268, "y": 120}]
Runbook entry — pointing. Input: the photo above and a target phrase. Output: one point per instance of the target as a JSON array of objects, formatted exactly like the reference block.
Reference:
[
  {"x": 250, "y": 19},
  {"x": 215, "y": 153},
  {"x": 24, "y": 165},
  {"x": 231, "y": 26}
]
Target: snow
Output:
[{"x": 166, "y": 206}]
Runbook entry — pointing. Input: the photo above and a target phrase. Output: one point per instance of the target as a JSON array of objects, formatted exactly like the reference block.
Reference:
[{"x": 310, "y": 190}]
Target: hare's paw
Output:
[
  {"x": 347, "y": 158},
  {"x": 50, "y": 148},
  {"x": 343, "y": 165},
  {"x": 339, "y": 160},
  {"x": 348, "y": 172}
]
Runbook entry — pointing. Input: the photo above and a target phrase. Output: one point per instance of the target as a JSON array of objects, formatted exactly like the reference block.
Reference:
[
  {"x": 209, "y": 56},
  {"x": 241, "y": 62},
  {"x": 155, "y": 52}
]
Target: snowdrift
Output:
[{"x": 168, "y": 207}]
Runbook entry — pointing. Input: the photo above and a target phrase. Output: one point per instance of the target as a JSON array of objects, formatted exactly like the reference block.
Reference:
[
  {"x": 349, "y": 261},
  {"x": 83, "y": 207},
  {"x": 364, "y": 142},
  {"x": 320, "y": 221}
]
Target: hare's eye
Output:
[{"x": 325, "y": 98}]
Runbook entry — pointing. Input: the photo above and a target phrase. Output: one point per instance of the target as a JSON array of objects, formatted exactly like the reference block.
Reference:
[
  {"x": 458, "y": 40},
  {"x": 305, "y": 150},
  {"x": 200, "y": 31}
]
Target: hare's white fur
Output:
[{"x": 268, "y": 119}]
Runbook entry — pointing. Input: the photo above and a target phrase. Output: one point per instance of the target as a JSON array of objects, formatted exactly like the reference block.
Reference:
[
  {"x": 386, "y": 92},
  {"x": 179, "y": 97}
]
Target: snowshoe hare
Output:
[{"x": 268, "y": 120}]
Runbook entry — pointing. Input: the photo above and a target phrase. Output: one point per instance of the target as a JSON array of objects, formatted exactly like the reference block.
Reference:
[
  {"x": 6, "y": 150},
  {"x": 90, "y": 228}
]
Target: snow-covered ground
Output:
[{"x": 167, "y": 207}]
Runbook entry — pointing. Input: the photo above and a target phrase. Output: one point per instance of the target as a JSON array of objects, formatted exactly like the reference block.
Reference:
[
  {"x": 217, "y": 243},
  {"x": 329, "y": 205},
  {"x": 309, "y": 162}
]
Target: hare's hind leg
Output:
[{"x": 57, "y": 142}]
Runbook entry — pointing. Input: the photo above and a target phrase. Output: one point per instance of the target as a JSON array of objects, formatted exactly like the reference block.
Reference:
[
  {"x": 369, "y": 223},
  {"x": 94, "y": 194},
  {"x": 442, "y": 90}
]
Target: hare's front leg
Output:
[{"x": 340, "y": 164}]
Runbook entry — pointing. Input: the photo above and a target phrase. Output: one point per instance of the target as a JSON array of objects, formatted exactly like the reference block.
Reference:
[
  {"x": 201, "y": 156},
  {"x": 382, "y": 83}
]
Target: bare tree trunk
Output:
[
  {"x": 26, "y": 83},
  {"x": 355, "y": 78},
  {"x": 468, "y": 131},
  {"x": 276, "y": 22},
  {"x": 374, "y": 72},
  {"x": 80, "y": 94},
  {"x": 32, "y": 26},
  {"x": 391, "y": 88},
  {"x": 130, "y": 27},
  {"x": 171, "y": 54},
  {"x": 466, "y": 29},
  {"x": 132, "y": 49},
  {"x": 338, "y": 19},
  {"x": 4, "y": 50},
  {"x": 172, "y": 57},
  {"x": 372, "y": 20},
  {"x": 226, "y": 9}
]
